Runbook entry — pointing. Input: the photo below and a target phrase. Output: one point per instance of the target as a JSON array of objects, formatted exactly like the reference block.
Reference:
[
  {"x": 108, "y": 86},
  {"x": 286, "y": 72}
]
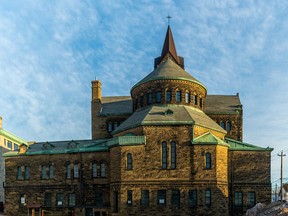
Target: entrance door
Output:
[{"x": 88, "y": 212}]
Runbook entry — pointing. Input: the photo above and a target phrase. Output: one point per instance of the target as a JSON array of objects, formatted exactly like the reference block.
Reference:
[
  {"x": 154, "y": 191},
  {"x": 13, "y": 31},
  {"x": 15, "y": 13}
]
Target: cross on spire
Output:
[{"x": 168, "y": 17}]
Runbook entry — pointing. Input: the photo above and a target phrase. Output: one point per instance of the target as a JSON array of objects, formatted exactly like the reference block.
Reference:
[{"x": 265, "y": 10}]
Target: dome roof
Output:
[{"x": 168, "y": 70}]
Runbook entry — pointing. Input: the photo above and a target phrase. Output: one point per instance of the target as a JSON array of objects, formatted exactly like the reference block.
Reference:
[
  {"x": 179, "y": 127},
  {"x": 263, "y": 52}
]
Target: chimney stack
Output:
[{"x": 96, "y": 90}]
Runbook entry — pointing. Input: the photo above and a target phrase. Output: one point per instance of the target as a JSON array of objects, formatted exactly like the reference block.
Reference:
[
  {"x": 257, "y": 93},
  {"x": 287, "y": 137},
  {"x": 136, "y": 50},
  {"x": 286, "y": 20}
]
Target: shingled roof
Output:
[
  {"x": 223, "y": 104},
  {"x": 117, "y": 105},
  {"x": 169, "y": 115},
  {"x": 168, "y": 70},
  {"x": 215, "y": 104}
]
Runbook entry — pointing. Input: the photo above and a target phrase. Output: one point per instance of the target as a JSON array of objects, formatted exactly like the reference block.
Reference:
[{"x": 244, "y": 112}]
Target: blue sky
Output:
[{"x": 51, "y": 50}]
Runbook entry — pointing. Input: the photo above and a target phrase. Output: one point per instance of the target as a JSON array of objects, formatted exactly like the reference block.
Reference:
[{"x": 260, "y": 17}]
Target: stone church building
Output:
[{"x": 168, "y": 149}]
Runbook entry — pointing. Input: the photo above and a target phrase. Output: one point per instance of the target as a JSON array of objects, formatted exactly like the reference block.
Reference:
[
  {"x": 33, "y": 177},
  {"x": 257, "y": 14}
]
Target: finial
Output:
[{"x": 168, "y": 17}]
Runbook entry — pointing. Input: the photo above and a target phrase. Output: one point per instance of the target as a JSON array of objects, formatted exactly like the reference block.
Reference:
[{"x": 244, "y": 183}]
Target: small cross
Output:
[{"x": 168, "y": 17}]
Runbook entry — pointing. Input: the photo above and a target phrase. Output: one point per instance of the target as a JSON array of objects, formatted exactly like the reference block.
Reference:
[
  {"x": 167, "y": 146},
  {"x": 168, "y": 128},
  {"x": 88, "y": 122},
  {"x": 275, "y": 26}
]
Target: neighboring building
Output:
[
  {"x": 169, "y": 149},
  {"x": 8, "y": 142}
]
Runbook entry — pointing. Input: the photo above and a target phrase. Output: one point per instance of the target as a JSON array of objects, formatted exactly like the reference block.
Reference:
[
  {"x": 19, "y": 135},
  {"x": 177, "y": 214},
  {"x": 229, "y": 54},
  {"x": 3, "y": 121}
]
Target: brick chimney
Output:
[{"x": 96, "y": 90}]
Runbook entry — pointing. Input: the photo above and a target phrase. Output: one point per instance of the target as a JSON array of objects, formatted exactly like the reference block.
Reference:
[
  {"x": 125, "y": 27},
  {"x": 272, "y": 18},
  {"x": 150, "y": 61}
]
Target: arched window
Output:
[
  {"x": 129, "y": 161},
  {"x": 200, "y": 102},
  {"x": 223, "y": 125},
  {"x": 19, "y": 173},
  {"x": 149, "y": 98},
  {"x": 94, "y": 170},
  {"x": 178, "y": 96},
  {"x": 102, "y": 169},
  {"x": 43, "y": 172},
  {"x": 26, "y": 174},
  {"x": 208, "y": 160},
  {"x": 228, "y": 125},
  {"x": 141, "y": 100},
  {"x": 68, "y": 170},
  {"x": 173, "y": 155},
  {"x": 168, "y": 96},
  {"x": 164, "y": 155},
  {"x": 195, "y": 100},
  {"x": 187, "y": 97},
  {"x": 208, "y": 197},
  {"x": 76, "y": 170},
  {"x": 110, "y": 127},
  {"x": 51, "y": 171},
  {"x": 158, "y": 97}
]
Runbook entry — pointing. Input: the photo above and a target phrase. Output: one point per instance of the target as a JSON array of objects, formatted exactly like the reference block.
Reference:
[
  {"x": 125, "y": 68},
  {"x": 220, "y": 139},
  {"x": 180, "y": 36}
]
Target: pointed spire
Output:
[
  {"x": 169, "y": 46},
  {"x": 169, "y": 51}
]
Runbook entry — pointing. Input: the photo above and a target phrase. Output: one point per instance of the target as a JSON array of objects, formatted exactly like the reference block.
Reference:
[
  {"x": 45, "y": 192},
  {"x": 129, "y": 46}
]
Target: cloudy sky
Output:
[{"x": 50, "y": 50}]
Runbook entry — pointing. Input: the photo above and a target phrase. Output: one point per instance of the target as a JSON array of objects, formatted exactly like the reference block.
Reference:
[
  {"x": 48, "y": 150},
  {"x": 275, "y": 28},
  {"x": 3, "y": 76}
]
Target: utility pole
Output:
[
  {"x": 275, "y": 195},
  {"x": 281, "y": 175}
]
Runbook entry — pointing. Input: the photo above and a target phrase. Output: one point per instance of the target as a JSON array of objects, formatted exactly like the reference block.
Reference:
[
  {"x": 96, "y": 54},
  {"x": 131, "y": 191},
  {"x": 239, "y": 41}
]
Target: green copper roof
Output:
[
  {"x": 241, "y": 146},
  {"x": 209, "y": 138},
  {"x": 233, "y": 145},
  {"x": 76, "y": 146},
  {"x": 12, "y": 137},
  {"x": 168, "y": 70}
]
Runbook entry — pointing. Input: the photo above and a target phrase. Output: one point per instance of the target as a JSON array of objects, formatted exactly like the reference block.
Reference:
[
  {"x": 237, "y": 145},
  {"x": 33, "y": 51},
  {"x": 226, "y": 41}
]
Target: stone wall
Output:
[
  {"x": 173, "y": 86},
  {"x": 236, "y": 120},
  {"x": 34, "y": 188}
]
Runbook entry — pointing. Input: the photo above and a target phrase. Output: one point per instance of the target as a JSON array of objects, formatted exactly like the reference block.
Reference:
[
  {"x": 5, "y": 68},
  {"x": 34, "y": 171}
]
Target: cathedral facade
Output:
[{"x": 168, "y": 149}]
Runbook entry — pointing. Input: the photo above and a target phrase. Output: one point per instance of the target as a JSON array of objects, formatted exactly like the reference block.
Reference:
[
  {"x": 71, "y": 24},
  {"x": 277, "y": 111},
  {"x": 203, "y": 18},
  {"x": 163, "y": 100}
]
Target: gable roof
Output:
[
  {"x": 223, "y": 104},
  {"x": 117, "y": 105},
  {"x": 209, "y": 138}
]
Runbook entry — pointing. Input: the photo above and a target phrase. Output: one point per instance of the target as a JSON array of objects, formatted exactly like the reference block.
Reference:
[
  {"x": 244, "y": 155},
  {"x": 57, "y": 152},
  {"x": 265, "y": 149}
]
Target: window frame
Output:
[
  {"x": 192, "y": 198},
  {"x": 208, "y": 160},
  {"x": 158, "y": 97},
  {"x": 68, "y": 170},
  {"x": 94, "y": 169},
  {"x": 144, "y": 200},
  {"x": 43, "y": 172},
  {"x": 129, "y": 161},
  {"x": 178, "y": 96},
  {"x": 173, "y": 155},
  {"x": 208, "y": 197},
  {"x": 26, "y": 173},
  {"x": 161, "y": 198},
  {"x": 164, "y": 156},
  {"x": 175, "y": 198},
  {"x": 19, "y": 175},
  {"x": 48, "y": 199},
  {"x": 129, "y": 197},
  {"x": 99, "y": 199},
  {"x": 102, "y": 169},
  {"x": 249, "y": 203},
  {"x": 71, "y": 199},
  {"x": 76, "y": 170},
  {"x": 59, "y": 198},
  {"x": 51, "y": 171},
  {"x": 168, "y": 96},
  {"x": 238, "y": 199},
  {"x": 187, "y": 97},
  {"x": 195, "y": 100}
]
